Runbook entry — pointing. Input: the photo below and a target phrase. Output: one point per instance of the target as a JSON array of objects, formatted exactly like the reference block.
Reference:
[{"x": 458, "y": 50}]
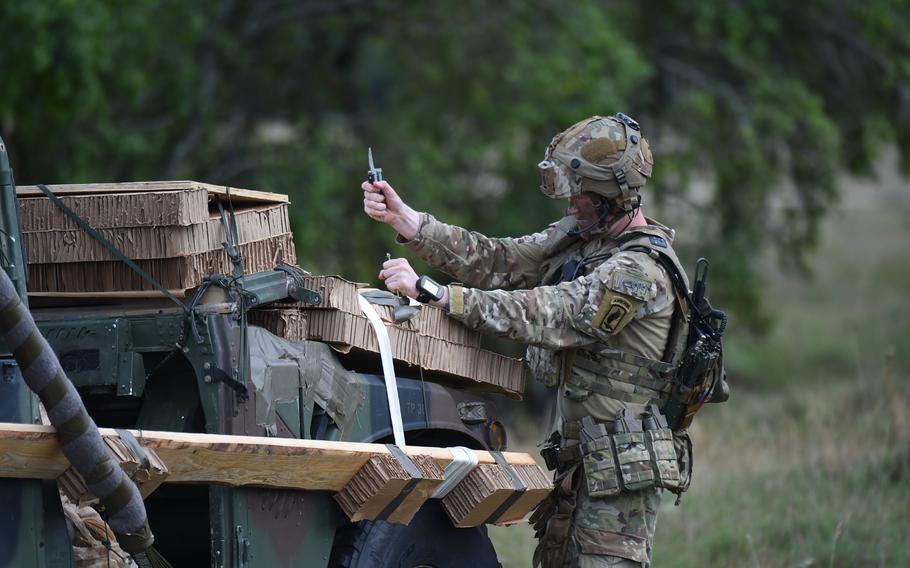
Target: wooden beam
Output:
[
  {"x": 31, "y": 451},
  {"x": 128, "y": 187}
]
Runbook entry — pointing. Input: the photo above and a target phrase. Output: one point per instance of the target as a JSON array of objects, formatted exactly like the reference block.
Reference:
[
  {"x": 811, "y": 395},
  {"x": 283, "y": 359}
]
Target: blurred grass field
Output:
[{"x": 809, "y": 462}]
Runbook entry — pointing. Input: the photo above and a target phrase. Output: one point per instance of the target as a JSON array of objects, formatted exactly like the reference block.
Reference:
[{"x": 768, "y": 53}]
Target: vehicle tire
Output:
[{"x": 429, "y": 540}]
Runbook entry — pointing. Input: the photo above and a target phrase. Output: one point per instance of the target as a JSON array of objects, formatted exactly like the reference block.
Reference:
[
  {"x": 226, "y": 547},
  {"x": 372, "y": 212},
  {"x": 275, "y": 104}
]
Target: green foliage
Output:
[{"x": 766, "y": 101}]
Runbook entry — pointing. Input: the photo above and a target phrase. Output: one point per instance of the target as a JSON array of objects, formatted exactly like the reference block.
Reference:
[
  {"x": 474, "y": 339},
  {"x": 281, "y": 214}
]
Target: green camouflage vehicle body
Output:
[{"x": 123, "y": 360}]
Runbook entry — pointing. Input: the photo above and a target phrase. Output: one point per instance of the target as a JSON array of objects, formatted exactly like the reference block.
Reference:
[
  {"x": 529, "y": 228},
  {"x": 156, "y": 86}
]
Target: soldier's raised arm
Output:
[{"x": 467, "y": 256}]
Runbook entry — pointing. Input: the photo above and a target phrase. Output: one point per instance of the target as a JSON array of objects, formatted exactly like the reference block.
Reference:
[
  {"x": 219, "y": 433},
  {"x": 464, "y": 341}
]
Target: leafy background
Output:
[{"x": 781, "y": 134}]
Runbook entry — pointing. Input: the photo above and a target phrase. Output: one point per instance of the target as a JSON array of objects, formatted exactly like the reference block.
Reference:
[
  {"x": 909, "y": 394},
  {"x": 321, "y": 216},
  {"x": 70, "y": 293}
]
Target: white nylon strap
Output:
[
  {"x": 388, "y": 369},
  {"x": 463, "y": 461}
]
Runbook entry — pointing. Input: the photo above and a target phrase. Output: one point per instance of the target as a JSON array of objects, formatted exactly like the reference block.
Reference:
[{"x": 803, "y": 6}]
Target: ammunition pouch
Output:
[
  {"x": 601, "y": 475},
  {"x": 664, "y": 460},
  {"x": 642, "y": 453},
  {"x": 634, "y": 460}
]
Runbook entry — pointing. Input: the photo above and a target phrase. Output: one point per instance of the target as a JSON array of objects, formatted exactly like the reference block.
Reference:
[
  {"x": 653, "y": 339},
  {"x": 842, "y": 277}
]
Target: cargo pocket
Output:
[
  {"x": 663, "y": 458},
  {"x": 600, "y": 468},
  {"x": 634, "y": 460}
]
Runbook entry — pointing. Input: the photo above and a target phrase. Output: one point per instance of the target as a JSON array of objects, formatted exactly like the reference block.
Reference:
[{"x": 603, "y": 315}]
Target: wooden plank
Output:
[
  {"x": 236, "y": 193},
  {"x": 31, "y": 451}
]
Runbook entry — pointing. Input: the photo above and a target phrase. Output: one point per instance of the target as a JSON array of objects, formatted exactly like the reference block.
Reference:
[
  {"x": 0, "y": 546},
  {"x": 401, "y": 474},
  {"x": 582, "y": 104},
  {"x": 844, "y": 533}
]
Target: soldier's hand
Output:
[
  {"x": 382, "y": 203},
  {"x": 399, "y": 276}
]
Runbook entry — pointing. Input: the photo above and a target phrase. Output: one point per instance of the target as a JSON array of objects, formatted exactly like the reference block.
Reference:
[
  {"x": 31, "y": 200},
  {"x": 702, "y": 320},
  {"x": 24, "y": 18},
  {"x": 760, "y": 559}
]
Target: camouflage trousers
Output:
[{"x": 593, "y": 532}]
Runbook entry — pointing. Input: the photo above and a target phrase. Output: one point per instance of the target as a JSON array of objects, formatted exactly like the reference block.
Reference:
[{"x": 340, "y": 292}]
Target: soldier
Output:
[{"x": 602, "y": 322}]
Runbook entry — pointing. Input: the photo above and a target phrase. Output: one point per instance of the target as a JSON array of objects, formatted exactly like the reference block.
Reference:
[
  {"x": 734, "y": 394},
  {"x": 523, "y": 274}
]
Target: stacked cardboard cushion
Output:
[
  {"x": 432, "y": 340},
  {"x": 172, "y": 230},
  {"x": 382, "y": 488},
  {"x": 489, "y": 495}
]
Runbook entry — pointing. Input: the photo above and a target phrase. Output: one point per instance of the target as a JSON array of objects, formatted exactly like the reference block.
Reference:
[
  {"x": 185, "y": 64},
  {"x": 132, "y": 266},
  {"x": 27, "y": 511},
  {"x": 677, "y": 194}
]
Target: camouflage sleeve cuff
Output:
[
  {"x": 413, "y": 244},
  {"x": 456, "y": 300}
]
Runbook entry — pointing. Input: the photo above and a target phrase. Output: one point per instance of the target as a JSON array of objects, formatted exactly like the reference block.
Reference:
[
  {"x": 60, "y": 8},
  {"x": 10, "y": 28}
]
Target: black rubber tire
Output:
[{"x": 429, "y": 540}]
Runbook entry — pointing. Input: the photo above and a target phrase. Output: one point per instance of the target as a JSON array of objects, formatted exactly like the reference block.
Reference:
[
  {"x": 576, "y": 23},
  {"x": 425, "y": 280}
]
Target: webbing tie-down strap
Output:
[
  {"x": 388, "y": 368},
  {"x": 517, "y": 484},
  {"x": 463, "y": 461},
  {"x": 416, "y": 477},
  {"x": 133, "y": 444}
]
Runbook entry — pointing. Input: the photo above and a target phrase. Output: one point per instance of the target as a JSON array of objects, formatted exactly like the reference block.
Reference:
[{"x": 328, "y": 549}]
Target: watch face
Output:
[{"x": 432, "y": 288}]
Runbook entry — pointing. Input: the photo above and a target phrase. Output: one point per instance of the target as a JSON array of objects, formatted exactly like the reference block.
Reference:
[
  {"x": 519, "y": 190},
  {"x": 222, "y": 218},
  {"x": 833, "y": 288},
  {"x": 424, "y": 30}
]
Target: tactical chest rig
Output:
[
  {"x": 690, "y": 372},
  {"x": 639, "y": 450}
]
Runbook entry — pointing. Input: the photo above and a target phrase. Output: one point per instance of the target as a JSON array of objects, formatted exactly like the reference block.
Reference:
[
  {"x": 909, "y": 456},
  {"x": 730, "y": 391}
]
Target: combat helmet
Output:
[{"x": 603, "y": 155}]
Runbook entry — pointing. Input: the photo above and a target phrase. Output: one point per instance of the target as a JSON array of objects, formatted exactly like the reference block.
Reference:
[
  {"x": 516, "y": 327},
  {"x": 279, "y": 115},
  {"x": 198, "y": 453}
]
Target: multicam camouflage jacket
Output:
[{"x": 574, "y": 301}]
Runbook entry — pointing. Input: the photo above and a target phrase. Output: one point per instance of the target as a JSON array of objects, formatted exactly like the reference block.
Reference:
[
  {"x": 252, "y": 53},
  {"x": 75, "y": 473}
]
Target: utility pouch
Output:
[
  {"x": 601, "y": 473},
  {"x": 632, "y": 453}
]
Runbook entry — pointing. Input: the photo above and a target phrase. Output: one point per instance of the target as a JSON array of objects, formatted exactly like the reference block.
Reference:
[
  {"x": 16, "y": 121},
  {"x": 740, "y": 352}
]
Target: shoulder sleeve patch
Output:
[
  {"x": 626, "y": 291},
  {"x": 631, "y": 283}
]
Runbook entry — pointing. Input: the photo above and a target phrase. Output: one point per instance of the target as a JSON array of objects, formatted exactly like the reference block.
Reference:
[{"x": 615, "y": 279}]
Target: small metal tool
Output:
[{"x": 374, "y": 174}]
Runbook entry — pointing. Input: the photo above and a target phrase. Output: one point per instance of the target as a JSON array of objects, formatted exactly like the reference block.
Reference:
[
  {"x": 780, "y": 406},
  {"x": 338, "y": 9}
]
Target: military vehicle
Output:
[{"x": 137, "y": 365}]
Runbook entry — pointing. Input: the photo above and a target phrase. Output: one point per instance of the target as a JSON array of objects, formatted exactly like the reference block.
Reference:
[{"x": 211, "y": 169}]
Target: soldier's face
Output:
[{"x": 585, "y": 209}]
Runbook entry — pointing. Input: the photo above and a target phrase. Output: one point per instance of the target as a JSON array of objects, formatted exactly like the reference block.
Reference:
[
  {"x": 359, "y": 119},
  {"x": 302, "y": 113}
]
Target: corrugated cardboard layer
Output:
[
  {"x": 286, "y": 323},
  {"x": 431, "y": 341},
  {"x": 337, "y": 293},
  {"x": 538, "y": 486},
  {"x": 172, "y": 273},
  {"x": 347, "y": 331},
  {"x": 473, "y": 501},
  {"x": 142, "y": 243},
  {"x": 478, "y": 495},
  {"x": 340, "y": 294},
  {"x": 149, "y": 209},
  {"x": 235, "y": 194},
  {"x": 380, "y": 481}
]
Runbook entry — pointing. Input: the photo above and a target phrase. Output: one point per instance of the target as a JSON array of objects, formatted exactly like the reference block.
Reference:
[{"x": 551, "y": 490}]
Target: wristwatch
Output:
[{"x": 428, "y": 290}]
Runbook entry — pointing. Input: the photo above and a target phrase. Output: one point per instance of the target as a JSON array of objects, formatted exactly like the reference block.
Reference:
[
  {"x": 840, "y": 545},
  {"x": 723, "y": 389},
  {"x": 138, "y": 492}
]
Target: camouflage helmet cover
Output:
[{"x": 603, "y": 155}]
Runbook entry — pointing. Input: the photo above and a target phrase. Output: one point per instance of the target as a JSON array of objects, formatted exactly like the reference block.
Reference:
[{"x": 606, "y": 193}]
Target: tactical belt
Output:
[
  {"x": 566, "y": 456},
  {"x": 571, "y": 429}
]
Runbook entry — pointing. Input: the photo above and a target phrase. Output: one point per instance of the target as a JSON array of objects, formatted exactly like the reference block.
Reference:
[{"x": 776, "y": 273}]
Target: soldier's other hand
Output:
[
  {"x": 399, "y": 276},
  {"x": 382, "y": 203}
]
